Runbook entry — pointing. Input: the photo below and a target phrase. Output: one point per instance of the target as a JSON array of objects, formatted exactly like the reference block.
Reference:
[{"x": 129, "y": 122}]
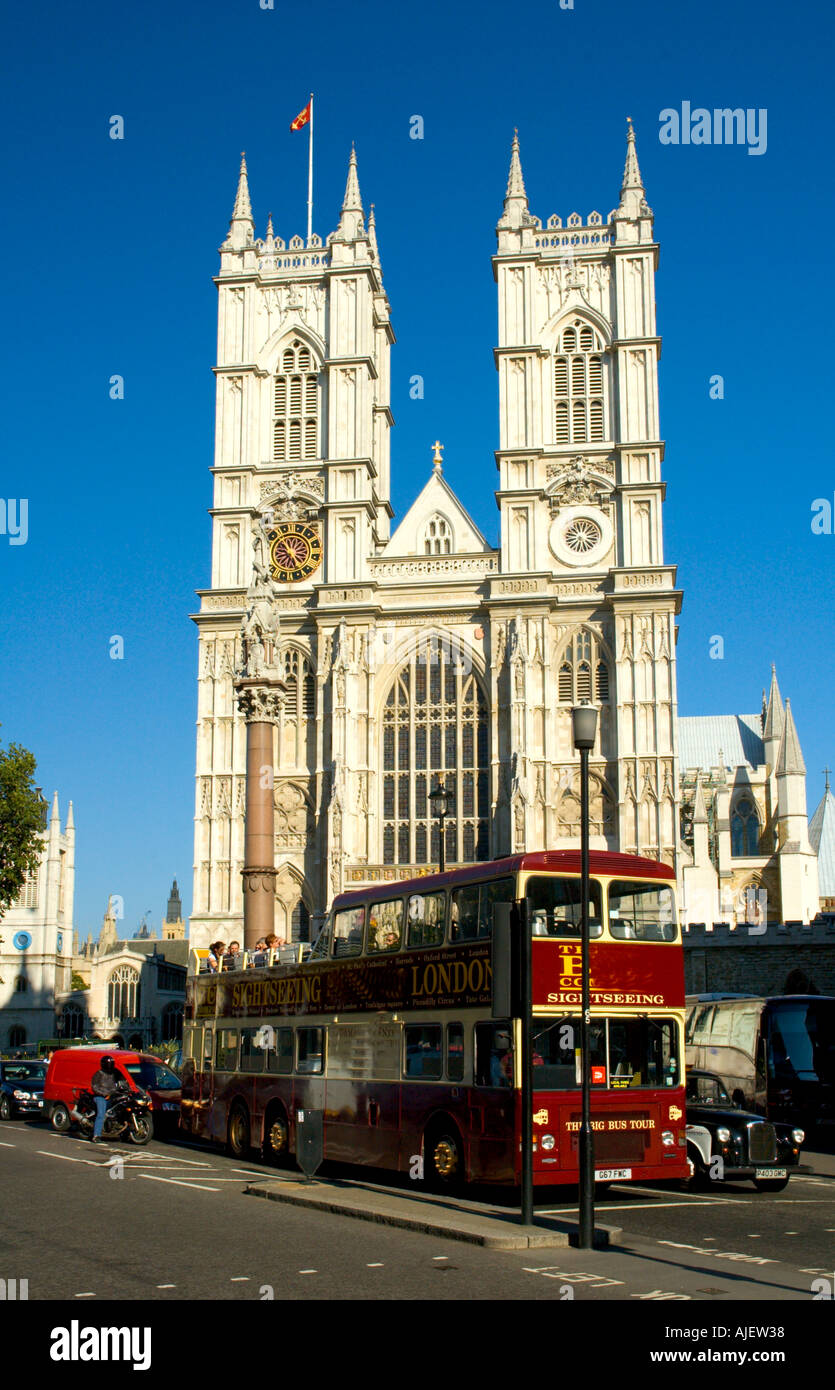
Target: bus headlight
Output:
[
  {"x": 548, "y": 1141},
  {"x": 668, "y": 1138},
  {"x": 798, "y": 1135},
  {"x": 723, "y": 1135}
]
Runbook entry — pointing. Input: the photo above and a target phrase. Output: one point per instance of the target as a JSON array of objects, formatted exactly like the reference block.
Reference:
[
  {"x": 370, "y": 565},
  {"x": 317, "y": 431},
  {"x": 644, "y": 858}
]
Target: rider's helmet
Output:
[{"x": 107, "y": 1063}]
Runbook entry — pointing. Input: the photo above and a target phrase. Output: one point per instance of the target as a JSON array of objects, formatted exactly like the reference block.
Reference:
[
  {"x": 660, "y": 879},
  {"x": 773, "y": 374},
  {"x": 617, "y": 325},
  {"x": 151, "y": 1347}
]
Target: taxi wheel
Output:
[
  {"x": 238, "y": 1140},
  {"x": 443, "y": 1157},
  {"x": 770, "y": 1184},
  {"x": 696, "y": 1179},
  {"x": 5, "y": 1108}
]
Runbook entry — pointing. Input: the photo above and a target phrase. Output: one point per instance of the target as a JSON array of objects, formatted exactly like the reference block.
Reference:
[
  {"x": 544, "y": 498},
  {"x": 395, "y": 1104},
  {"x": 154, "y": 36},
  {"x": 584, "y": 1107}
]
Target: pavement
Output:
[{"x": 493, "y": 1227}]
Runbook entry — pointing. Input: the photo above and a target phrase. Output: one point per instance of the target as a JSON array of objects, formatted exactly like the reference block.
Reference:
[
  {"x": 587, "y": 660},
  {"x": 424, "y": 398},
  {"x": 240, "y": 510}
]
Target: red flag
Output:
[{"x": 302, "y": 118}]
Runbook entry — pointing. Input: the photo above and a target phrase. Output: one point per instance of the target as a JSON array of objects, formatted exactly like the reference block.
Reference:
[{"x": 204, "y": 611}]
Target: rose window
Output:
[{"x": 582, "y": 535}]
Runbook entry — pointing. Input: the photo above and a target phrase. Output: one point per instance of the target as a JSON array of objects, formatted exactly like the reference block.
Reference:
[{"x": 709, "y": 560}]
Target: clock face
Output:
[{"x": 295, "y": 550}]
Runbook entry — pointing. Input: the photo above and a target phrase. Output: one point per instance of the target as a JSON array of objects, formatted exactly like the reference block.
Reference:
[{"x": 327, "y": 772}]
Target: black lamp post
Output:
[
  {"x": 439, "y": 800},
  {"x": 584, "y": 730}
]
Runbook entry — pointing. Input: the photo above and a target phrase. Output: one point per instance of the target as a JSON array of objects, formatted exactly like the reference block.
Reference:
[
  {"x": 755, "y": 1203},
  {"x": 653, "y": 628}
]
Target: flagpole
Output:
[{"x": 310, "y": 177}]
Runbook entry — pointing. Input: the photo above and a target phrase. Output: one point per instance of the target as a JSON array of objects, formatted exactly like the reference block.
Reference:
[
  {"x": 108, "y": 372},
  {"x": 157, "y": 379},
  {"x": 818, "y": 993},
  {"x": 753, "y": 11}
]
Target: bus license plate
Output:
[
  {"x": 769, "y": 1172},
  {"x": 612, "y": 1174}
]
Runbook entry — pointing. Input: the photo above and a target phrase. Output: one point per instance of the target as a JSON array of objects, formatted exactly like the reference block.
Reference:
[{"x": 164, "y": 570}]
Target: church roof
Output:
[
  {"x": 822, "y": 838},
  {"x": 737, "y": 736},
  {"x": 437, "y": 498}
]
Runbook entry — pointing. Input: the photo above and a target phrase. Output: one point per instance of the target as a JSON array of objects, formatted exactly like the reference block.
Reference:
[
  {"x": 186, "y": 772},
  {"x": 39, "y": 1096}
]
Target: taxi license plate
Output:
[
  {"x": 769, "y": 1173},
  {"x": 170, "y": 1105},
  {"x": 612, "y": 1174}
]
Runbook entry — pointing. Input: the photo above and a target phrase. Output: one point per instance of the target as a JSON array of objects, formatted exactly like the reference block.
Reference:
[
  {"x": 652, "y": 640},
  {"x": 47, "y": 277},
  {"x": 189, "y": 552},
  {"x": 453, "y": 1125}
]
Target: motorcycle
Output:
[{"x": 128, "y": 1115}]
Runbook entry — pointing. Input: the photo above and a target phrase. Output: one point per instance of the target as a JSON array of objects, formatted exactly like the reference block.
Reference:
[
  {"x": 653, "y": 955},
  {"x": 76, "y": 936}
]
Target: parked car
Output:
[
  {"x": 21, "y": 1088},
  {"x": 726, "y": 1143},
  {"x": 71, "y": 1071}
]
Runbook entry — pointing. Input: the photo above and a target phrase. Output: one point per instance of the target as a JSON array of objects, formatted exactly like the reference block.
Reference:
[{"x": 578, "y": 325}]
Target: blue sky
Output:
[{"x": 110, "y": 250}]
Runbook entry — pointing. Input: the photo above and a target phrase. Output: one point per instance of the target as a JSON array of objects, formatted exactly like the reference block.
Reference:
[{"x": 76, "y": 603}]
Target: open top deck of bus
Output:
[{"x": 602, "y": 863}]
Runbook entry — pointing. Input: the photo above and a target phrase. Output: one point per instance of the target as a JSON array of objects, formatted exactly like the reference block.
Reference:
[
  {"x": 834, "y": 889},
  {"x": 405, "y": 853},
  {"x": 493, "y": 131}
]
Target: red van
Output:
[{"x": 71, "y": 1071}]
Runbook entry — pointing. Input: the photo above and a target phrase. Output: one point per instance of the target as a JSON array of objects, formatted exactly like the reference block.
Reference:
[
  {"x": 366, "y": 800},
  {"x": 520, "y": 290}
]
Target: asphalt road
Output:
[{"x": 172, "y": 1222}]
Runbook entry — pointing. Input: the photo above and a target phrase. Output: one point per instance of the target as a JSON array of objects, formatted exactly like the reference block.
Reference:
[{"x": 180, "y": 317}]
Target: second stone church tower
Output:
[{"x": 426, "y": 654}]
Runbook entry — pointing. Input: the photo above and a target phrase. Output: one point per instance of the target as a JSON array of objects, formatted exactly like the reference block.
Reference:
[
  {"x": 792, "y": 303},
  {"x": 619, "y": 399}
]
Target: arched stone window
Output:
[
  {"x": 437, "y": 536},
  {"x": 580, "y": 386},
  {"x": 296, "y": 404},
  {"x": 745, "y": 827},
  {"x": 435, "y": 729},
  {"x": 300, "y": 700},
  {"x": 73, "y": 1017},
  {"x": 123, "y": 993},
  {"x": 583, "y": 671}
]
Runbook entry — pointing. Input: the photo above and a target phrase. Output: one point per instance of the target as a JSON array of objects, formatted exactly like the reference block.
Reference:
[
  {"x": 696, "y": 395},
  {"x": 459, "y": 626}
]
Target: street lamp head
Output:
[
  {"x": 439, "y": 799},
  {"x": 584, "y": 725}
]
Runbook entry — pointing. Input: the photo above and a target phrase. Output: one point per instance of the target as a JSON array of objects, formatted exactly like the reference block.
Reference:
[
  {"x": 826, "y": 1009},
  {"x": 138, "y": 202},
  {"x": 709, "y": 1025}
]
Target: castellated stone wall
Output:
[{"x": 783, "y": 959}]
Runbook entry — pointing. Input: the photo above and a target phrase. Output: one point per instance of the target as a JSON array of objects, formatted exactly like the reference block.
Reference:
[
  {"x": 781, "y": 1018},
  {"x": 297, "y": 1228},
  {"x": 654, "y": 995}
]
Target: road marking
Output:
[
  {"x": 239, "y": 1279},
  {"x": 660, "y": 1297},
  {"x": 612, "y": 1206},
  {"x": 752, "y": 1235},
  {"x": 378, "y": 1265},
  {"x": 250, "y": 1172},
  {"x": 440, "y": 1257},
  {"x": 8, "y": 1146},
  {"x": 814, "y": 1271},
  {"x": 154, "y": 1177},
  {"x": 166, "y": 1286},
  {"x": 92, "y": 1162},
  {"x": 719, "y": 1254},
  {"x": 308, "y": 1271},
  {"x": 84, "y": 1295}
]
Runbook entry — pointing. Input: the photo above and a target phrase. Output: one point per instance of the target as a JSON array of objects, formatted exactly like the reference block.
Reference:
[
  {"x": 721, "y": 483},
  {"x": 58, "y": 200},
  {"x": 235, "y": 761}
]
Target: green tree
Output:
[{"x": 21, "y": 820}]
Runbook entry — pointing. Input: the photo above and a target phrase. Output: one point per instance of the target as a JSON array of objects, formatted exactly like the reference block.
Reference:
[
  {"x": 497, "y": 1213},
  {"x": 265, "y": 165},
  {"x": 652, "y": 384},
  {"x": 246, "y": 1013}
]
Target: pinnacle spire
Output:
[
  {"x": 699, "y": 808},
  {"x": 242, "y": 211},
  {"x": 351, "y": 220},
  {"x": 516, "y": 212},
  {"x": 70, "y": 819},
  {"x": 54, "y": 816},
  {"x": 789, "y": 758},
  {"x": 774, "y": 716},
  {"x": 372, "y": 234},
  {"x": 241, "y": 227},
  {"x": 632, "y": 200}
]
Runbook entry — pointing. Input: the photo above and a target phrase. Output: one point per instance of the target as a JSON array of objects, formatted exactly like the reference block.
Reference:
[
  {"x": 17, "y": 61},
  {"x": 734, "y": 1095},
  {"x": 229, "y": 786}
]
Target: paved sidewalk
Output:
[{"x": 493, "y": 1227}]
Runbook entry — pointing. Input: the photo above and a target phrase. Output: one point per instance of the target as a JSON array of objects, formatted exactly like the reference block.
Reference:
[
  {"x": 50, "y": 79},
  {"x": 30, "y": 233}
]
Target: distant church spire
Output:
[
  {"x": 774, "y": 717},
  {"x": 790, "y": 758},
  {"x": 633, "y": 203},
  {"x": 516, "y": 212}
]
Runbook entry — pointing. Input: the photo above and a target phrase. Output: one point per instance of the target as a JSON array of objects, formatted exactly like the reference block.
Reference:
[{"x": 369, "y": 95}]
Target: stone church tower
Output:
[{"x": 427, "y": 655}]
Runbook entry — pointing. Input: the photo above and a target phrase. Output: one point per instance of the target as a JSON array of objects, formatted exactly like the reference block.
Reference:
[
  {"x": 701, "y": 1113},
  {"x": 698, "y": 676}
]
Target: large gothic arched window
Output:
[
  {"x": 123, "y": 993},
  {"x": 745, "y": 828},
  {"x": 437, "y": 536},
  {"x": 580, "y": 398},
  {"x": 296, "y": 405},
  {"x": 583, "y": 672},
  {"x": 435, "y": 730}
]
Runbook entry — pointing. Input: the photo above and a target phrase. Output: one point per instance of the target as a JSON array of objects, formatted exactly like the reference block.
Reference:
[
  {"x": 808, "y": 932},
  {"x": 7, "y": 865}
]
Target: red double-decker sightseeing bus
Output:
[{"x": 388, "y": 1029}]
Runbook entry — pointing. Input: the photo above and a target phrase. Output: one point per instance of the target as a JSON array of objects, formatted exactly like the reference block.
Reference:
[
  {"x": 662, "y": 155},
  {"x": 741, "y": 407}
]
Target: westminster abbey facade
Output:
[{"x": 416, "y": 653}]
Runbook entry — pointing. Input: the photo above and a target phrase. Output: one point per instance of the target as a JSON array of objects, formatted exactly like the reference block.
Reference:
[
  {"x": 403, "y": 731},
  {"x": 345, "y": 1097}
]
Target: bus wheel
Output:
[
  {"x": 443, "y": 1156},
  {"x": 276, "y": 1144},
  {"x": 770, "y": 1184},
  {"x": 697, "y": 1174},
  {"x": 238, "y": 1140}
]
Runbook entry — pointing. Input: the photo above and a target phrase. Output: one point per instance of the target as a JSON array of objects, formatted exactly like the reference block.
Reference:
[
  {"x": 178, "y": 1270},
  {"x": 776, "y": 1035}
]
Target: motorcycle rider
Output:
[{"x": 103, "y": 1085}]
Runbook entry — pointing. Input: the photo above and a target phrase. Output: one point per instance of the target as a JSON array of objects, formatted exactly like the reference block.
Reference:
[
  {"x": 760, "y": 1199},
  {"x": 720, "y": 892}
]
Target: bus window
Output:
[
  {"x": 642, "y": 911},
  {"x": 425, "y": 919},
  {"x": 554, "y": 906},
  {"x": 347, "y": 931},
  {"x": 310, "y": 1044},
  {"x": 493, "y": 1054},
  {"x": 455, "y": 1051},
  {"x": 501, "y": 890},
  {"x": 252, "y": 1051},
  {"x": 464, "y": 913},
  {"x": 643, "y": 1052},
  {"x": 226, "y": 1051},
  {"x": 385, "y": 922},
  {"x": 555, "y": 1045},
  {"x": 423, "y": 1051},
  {"x": 280, "y": 1058}
]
